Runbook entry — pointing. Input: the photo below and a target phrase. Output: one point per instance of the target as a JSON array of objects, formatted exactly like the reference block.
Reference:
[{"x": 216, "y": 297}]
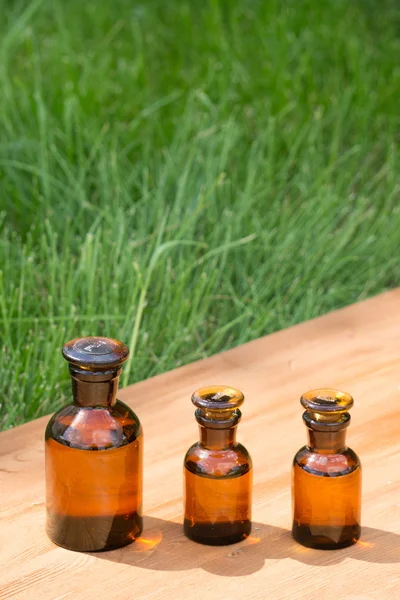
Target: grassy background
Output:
[{"x": 189, "y": 175}]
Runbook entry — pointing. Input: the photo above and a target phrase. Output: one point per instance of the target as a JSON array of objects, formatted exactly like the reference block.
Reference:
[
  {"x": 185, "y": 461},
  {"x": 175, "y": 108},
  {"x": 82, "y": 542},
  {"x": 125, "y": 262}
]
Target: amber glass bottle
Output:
[
  {"x": 217, "y": 471},
  {"x": 326, "y": 483},
  {"x": 94, "y": 454}
]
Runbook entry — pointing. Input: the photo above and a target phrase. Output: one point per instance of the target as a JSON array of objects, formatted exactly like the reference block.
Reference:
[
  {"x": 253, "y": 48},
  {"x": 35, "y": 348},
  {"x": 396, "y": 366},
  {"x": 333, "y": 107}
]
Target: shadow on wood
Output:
[{"x": 164, "y": 547}]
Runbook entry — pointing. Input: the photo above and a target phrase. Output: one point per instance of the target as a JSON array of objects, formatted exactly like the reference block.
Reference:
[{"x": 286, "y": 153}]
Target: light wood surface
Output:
[{"x": 356, "y": 349}]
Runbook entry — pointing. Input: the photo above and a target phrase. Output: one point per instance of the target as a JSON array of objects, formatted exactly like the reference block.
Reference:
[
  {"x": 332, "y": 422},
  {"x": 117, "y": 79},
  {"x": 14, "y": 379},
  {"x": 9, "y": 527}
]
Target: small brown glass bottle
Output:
[
  {"x": 326, "y": 482},
  {"x": 93, "y": 451},
  {"x": 217, "y": 471}
]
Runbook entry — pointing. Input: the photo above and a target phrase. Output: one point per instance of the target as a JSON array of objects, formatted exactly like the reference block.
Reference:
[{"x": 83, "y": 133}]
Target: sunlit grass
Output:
[{"x": 188, "y": 176}]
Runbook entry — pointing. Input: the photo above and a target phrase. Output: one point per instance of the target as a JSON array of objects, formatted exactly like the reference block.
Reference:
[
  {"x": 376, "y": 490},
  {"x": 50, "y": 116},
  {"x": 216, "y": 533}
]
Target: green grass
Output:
[{"x": 187, "y": 176}]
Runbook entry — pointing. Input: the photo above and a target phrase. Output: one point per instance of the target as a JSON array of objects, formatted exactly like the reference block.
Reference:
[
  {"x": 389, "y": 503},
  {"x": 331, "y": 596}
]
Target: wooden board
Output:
[{"x": 356, "y": 349}]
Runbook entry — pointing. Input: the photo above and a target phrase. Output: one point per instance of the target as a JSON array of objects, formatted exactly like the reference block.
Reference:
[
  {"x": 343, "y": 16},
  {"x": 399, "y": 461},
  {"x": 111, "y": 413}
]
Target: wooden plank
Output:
[{"x": 356, "y": 349}]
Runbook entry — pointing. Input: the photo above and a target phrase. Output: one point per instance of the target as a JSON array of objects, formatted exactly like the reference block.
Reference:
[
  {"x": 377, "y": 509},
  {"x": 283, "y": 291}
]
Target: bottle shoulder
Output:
[
  {"x": 228, "y": 462},
  {"x": 327, "y": 465},
  {"x": 94, "y": 428}
]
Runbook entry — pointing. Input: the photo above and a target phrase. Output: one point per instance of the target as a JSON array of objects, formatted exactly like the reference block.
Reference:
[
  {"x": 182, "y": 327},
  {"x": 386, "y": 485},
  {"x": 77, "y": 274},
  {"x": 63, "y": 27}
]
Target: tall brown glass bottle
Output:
[
  {"x": 94, "y": 454},
  {"x": 217, "y": 471},
  {"x": 326, "y": 483}
]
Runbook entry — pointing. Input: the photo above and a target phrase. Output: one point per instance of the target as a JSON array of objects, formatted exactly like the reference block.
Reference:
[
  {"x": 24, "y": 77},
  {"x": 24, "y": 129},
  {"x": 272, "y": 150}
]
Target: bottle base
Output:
[
  {"x": 217, "y": 534},
  {"x": 326, "y": 538},
  {"x": 94, "y": 534}
]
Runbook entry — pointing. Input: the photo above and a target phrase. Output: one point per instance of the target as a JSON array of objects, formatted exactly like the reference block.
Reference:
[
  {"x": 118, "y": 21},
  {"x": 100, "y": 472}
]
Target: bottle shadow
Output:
[{"x": 164, "y": 547}]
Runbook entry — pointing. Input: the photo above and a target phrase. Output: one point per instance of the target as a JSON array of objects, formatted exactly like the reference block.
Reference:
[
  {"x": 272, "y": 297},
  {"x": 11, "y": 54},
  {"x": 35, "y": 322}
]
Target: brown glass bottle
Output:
[
  {"x": 93, "y": 451},
  {"x": 217, "y": 471},
  {"x": 326, "y": 482}
]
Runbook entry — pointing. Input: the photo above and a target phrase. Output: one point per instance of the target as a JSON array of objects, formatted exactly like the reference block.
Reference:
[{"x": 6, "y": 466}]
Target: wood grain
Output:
[{"x": 356, "y": 349}]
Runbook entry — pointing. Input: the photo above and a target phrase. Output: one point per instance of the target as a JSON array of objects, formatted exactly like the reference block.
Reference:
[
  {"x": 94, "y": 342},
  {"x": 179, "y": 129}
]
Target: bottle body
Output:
[
  {"x": 218, "y": 494},
  {"x": 94, "y": 477},
  {"x": 326, "y": 498},
  {"x": 326, "y": 475},
  {"x": 218, "y": 471}
]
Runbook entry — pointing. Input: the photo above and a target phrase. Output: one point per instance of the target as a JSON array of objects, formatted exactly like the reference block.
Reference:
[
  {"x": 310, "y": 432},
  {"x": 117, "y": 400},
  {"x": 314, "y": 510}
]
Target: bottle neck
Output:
[
  {"x": 217, "y": 439},
  {"x": 327, "y": 442},
  {"x": 93, "y": 389}
]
